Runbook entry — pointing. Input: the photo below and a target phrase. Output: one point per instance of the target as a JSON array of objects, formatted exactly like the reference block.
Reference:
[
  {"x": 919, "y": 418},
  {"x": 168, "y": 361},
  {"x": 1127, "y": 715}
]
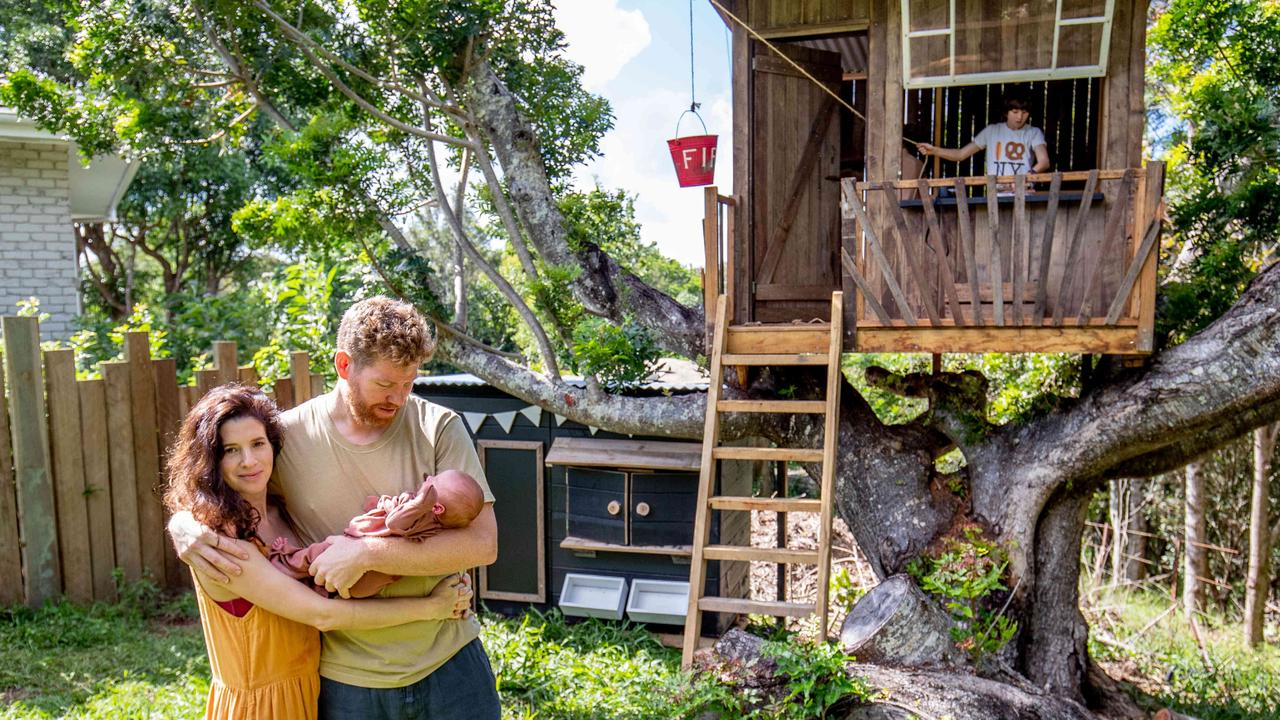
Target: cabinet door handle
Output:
[
  {"x": 614, "y": 507},
  {"x": 642, "y": 509}
]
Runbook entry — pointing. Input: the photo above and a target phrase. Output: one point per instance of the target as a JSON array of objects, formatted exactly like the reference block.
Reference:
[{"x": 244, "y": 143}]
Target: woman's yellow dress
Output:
[{"x": 263, "y": 665}]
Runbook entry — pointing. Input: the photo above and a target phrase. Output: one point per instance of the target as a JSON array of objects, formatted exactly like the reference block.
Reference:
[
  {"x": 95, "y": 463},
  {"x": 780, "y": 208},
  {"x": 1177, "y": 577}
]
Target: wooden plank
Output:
[
  {"x": 759, "y": 554},
  {"x": 248, "y": 375},
  {"x": 284, "y": 394},
  {"x": 1019, "y": 244},
  {"x": 11, "y": 591},
  {"x": 225, "y": 361},
  {"x": 967, "y": 246},
  {"x": 146, "y": 450},
  {"x": 168, "y": 424},
  {"x": 830, "y": 440},
  {"x": 948, "y": 270},
  {"x": 776, "y": 360},
  {"x": 33, "y": 471},
  {"x": 997, "y": 261},
  {"x": 317, "y": 385},
  {"x": 975, "y": 180},
  {"x": 1145, "y": 298},
  {"x": 710, "y": 253},
  {"x": 771, "y": 406},
  {"x": 206, "y": 380},
  {"x": 300, "y": 373},
  {"x": 124, "y": 494},
  {"x": 1074, "y": 235},
  {"x": 1046, "y": 249},
  {"x": 772, "y": 291},
  {"x": 767, "y": 453},
  {"x": 97, "y": 485},
  {"x": 584, "y": 545},
  {"x": 777, "y": 339},
  {"x": 928, "y": 295},
  {"x": 1131, "y": 274},
  {"x": 1114, "y": 229},
  {"x": 866, "y": 293},
  {"x": 739, "y": 254},
  {"x": 873, "y": 244},
  {"x": 68, "y": 474},
  {"x": 742, "y": 606},
  {"x": 766, "y": 504},
  {"x": 618, "y": 453},
  {"x": 1092, "y": 339},
  {"x": 801, "y": 180}
]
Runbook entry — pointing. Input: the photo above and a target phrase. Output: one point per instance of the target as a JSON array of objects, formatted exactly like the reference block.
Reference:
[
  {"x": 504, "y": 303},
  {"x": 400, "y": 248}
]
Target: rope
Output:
[
  {"x": 796, "y": 65},
  {"x": 693, "y": 87}
]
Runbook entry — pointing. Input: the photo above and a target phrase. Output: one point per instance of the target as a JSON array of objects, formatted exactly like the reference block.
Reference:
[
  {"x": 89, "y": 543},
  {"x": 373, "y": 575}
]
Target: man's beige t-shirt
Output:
[{"x": 325, "y": 479}]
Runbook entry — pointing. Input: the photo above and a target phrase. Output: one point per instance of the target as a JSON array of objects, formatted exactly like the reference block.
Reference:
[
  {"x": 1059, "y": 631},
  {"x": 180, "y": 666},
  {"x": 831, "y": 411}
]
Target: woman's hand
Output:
[
  {"x": 449, "y": 599},
  {"x": 926, "y": 149},
  {"x": 207, "y": 552}
]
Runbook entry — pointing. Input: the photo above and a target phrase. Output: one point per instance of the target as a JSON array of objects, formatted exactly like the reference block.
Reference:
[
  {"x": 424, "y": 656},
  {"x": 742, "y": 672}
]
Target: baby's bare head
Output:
[{"x": 458, "y": 498}]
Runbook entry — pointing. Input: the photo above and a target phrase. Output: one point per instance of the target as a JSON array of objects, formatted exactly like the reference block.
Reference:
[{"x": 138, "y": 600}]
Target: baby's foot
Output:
[{"x": 450, "y": 598}]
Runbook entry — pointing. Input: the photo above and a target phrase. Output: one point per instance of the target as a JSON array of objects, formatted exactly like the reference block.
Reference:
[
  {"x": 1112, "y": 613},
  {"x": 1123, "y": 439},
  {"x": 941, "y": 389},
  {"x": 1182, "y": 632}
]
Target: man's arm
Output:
[
  {"x": 449, "y": 551},
  {"x": 207, "y": 552},
  {"x": 952, "y": 154}
]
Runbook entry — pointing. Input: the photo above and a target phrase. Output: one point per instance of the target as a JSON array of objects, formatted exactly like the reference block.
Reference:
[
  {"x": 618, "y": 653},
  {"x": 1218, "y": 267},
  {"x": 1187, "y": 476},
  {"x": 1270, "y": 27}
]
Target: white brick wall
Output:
[{"x": 37, "y": 245}]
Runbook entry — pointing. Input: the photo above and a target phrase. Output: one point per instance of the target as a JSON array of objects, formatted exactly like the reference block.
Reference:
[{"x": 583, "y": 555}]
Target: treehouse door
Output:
[{"x": 795, "y": 183}]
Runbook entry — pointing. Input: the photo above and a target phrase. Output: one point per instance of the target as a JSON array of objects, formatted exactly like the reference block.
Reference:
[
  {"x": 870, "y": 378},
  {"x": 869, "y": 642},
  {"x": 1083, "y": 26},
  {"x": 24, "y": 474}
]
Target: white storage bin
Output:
[
  {"x": 595, "y": 596},
  {"x": 658, "y": 601}
]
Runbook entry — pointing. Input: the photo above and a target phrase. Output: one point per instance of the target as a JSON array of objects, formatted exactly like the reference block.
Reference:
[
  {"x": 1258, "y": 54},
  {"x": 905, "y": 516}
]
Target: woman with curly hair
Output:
[{"x": 261, "y": 628}]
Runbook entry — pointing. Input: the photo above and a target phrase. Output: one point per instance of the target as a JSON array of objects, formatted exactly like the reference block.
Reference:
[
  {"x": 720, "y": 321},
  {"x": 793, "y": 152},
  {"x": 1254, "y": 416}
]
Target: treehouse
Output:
[{"x": 830, "y": 102}]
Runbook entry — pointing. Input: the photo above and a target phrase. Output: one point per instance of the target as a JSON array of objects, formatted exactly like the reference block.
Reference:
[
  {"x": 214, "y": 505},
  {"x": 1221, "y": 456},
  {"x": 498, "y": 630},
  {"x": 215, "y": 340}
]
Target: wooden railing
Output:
[
  {"x": 81, "y": 462},
  {"x": 928, "y": 254},
  {"x": 717, "y": 239}
]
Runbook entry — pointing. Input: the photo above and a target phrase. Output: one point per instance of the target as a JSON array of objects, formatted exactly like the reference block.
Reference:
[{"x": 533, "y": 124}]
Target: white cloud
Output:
[{"x": 602, "y": 37}]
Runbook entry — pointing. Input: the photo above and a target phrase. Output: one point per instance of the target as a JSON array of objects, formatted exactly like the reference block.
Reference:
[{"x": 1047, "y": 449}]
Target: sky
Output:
[{"x": 635, "y": 53}]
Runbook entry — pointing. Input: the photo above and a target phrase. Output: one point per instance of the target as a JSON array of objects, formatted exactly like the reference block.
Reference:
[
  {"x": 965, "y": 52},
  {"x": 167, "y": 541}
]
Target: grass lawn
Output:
[{"x": 144, "y": 658}]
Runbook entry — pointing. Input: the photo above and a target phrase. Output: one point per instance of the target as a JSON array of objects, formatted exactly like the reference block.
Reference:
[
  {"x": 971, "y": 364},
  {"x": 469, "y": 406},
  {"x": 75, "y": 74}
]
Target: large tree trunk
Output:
[
  {"x": 1259, "y": 580},
  {"x": 1196, "y": 556}
]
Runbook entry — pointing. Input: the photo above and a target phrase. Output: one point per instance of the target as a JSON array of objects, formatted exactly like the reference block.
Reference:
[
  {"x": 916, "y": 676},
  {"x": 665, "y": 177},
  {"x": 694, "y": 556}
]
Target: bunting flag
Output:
[
  {"x": 506, "y": 420},
  {"x": 559, "y": 419},
  {"x": 534, "y": 414},
  {"x": 474, "y": 420},
  {"x": 592, "y": 429}
]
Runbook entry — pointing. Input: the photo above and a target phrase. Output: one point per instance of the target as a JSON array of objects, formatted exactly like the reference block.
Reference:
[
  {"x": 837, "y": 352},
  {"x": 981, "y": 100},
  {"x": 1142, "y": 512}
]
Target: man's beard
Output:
[{"x": 362, "y": 412}]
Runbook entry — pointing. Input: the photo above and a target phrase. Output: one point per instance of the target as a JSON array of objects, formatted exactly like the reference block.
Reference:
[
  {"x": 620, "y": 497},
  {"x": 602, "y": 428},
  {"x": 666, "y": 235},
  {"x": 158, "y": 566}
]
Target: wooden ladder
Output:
[{"x": 766, "y": 345}]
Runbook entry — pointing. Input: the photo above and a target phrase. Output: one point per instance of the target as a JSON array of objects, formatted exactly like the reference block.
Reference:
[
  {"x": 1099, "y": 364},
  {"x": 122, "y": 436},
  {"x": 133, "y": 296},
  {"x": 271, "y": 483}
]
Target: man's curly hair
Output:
[{"x": 379, "y": 328}]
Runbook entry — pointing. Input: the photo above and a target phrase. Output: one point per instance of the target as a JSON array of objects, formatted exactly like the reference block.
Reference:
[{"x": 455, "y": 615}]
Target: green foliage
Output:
[
  {"x": 966, "y": 574},
  {"x": 618, "y": 355},
  {"x": 844, "y": 591}
]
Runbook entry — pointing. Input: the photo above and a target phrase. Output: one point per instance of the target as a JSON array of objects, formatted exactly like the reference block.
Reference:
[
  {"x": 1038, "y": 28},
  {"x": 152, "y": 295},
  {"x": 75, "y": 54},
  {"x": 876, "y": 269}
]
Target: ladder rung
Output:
[
  {"x": 772, "y": 406},
  {"x": 778, "y": 360},
  {"x": 770, "y": 504},
  {"x": 780, "y": 339},
  {"x": 773, "y": 555},
  {"x": 742, "y": 606},
  {"x": 754, "y": 453}
]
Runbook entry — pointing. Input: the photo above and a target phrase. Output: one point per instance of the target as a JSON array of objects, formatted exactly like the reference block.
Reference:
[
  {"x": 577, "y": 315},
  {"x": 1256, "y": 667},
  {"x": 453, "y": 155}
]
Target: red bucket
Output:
[{"x": 695, "y": 159}]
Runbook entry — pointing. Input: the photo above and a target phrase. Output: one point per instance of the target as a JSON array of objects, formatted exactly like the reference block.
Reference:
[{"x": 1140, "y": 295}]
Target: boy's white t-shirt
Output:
[{"x": 1009, "y": 151}]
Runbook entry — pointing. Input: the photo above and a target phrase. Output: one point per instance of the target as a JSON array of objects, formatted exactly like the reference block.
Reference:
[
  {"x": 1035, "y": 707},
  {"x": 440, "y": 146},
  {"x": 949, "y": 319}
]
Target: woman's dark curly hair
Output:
[{"x": 194, "y": 466}]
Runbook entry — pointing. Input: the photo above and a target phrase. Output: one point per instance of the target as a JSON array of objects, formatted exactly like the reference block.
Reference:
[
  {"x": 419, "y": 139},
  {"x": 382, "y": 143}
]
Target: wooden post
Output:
[
  {"x": 97, "y": 485},
  {"x": 65, "y": 444},
  {"x": 146, "y": 452},
  {"x": 248, "y": 375},
  {"x": 206, "y": 380},
  {"x": 710, "y": 253},
  {"x": 10, "y": 543},
  {"x": 37, "y": 519},
  {"x": 225, "y": 361},
  {"x": 300, "y": 372},
  {"x": 124, "y": 496},
  {"x": 168, "y": 423}
]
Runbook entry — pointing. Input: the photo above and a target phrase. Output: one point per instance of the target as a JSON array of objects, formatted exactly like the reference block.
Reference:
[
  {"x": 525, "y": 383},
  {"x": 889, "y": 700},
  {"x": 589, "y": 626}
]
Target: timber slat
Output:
[
  {"x": 68, "y": 474},
  {"x": 967, "y": 246},
  {"x": 873, "y": 244},
  {"x": 948, "y": 271},
  {"x": 1072, "y": 175},
  {"x": 37, "y": 517},
  {"x": 750, "y": 453},
  {"x": 1131, "y": 274},
  {"x": 766, "y": 504},
  {"x": 1113, "y": 231},
  {"x": 776, "y": 360},
  {"x": 866, "y": 292},
  {"x": 168, "y": 423},
  {"x": 146, "y": 448},
  {"x": 777, "y": 339},
  {"x": 772, "y": 406},
  {"x": 10, "y": 543},
  {"x": 760, "y": 554},
  {"x": 248, "y": 375},
  {"x": 206, "y": 380},
  {"x": 928, "y": 295},
  {"x": 1019, "y": 244},
  {"x": 997, "y": 260},
  {"x": 300, "y": 373},
  {"x": 97, "y": 485},
  {"x": 124, "y": 495},
  {"x": 741, "y": 606},
  {"x": 283, "y": 390},
  {"x": 224, "y": 361},
  {"x": 1046, "y": 249},
  {"x": 1074, "y": 233}
]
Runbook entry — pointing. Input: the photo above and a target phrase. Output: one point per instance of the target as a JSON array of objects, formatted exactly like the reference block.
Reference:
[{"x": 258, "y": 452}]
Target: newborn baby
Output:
[{"x": 451, "y": 499}]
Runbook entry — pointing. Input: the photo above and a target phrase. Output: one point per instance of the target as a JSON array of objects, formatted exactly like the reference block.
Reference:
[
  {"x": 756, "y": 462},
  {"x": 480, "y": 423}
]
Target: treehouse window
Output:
[{"x": 964, "y": 42}]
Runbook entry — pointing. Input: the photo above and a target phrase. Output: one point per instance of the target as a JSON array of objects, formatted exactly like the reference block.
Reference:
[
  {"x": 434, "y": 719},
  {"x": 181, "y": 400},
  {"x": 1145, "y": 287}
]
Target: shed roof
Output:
[{"x": 637, "y": 454}]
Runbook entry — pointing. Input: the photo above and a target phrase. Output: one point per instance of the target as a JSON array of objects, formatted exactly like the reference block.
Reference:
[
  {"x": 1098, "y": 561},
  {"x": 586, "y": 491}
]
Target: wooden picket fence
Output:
[{"x": 81, "y": 462}]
